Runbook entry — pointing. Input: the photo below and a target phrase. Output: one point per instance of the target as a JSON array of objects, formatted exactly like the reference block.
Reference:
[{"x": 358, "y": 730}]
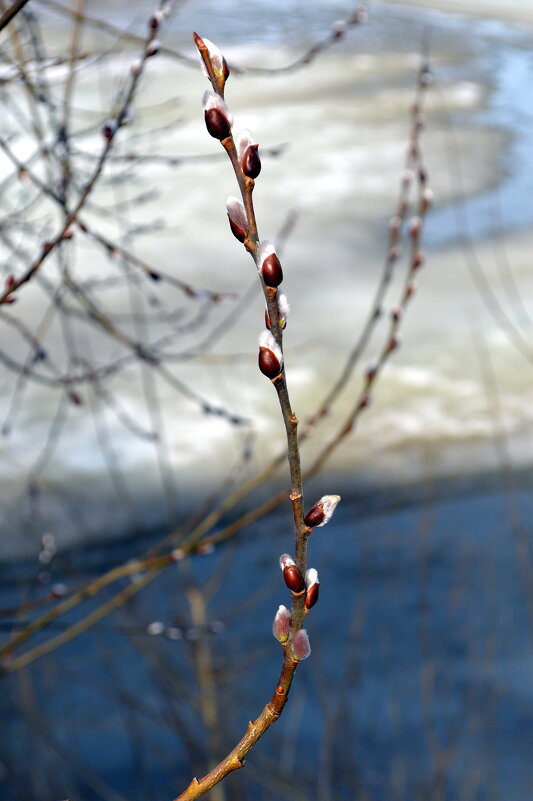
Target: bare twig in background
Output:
[{"x": 11, "y": 12}]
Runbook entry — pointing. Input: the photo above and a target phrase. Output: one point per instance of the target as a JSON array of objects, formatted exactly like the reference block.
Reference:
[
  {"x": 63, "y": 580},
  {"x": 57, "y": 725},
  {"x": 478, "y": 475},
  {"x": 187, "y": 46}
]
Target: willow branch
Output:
[{"x": 255, "y": 730}]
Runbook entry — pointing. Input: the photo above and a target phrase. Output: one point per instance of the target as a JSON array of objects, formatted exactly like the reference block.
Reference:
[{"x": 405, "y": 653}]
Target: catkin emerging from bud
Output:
[
  {"x": 237, "y": 218},
  {"x": 218, "y": 62},
  {"x": 319, "y": 514},
  {"x": 300, "y": 645},
  {"x": 283, "y": 308},
  {"x": 282, "y": 622},
  {"x": 312, "y": 584}
]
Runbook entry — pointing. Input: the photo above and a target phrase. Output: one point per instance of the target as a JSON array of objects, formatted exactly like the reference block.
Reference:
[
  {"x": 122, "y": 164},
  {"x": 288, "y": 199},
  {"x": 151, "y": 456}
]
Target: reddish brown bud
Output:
[
  {"x": 109, "y": 129},
  {"x": 294, "y": 579},
  {"x": 251, "y": 163},
  {"x": 314, "y": 516},
  {"x": 217, "y": 123},
  {"x": 311, "y": 596},
  {"x": 271, "y": 271},
  {"x": 320, "y": 513},
  {"x": 237, "y": 232},
  {"x": 291, "y": 574},
  {"x": 269, "y": 363},
  {"x": 269, "y": 265},
  {"x": 218, "y": 117},
  {"x": 11, "y": 284},
  {"x": 270, "y": 355},
  {"x": 237, "y": 218},
  {"x": 418, "y": 260},
  {"x": 248, "y": 155}
]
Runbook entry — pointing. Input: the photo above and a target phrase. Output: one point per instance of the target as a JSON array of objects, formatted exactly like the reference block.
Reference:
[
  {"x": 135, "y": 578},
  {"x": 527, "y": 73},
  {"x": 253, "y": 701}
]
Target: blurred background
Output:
[{"x": 134, "y": 420}]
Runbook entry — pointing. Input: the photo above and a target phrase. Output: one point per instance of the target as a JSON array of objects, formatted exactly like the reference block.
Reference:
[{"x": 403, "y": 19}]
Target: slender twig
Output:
[
  {"x": 251, "y": 241},
  {"x": 11, "y": 12}
]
